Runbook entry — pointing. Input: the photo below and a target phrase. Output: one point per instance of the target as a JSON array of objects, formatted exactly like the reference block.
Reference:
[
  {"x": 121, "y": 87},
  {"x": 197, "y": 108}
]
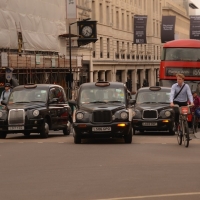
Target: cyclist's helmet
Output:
[{"x": 197, "y": 112}]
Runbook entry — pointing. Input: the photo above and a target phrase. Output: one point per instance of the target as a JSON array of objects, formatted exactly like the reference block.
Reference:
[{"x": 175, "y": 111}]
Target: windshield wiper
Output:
[
  {"x": 164, "y": 102},
  {"x": 114, "y": 101},
  {"x": 97, "y": 102},
  {"x": 22, "y": 102},
  {"x": 37, "y": 101}
]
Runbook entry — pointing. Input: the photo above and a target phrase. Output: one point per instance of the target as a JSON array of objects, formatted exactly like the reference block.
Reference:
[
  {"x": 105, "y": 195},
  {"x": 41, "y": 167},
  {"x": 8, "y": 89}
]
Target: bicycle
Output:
[{"x": 182, "y": 127}]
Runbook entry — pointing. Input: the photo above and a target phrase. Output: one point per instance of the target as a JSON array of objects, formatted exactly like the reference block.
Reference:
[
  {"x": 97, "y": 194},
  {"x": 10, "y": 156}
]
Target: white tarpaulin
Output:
[{"x": 40, "y": 21}]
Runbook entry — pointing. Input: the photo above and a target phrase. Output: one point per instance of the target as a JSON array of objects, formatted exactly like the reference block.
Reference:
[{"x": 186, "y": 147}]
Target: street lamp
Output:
[{"x": 70, "y": 56}]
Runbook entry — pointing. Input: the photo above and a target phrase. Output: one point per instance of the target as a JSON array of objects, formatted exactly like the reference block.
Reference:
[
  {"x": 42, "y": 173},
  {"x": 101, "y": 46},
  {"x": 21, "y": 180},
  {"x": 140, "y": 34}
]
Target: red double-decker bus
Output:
[{"x": 181, "y": 56}]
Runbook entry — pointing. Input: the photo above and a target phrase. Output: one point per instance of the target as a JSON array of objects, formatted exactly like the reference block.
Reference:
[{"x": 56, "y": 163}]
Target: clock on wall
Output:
[{"x": 87, "y": 32}]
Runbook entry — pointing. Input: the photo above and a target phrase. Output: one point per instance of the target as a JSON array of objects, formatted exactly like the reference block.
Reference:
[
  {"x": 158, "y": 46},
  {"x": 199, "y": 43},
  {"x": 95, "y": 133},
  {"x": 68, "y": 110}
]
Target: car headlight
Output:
[
  {"x": 167, "y": 113},
  {"x": 1, "y": 114},
  {"x": 36, "y": 113},
  {"x": 79, "y": 115},
  {"x": 124, "y": 115}
]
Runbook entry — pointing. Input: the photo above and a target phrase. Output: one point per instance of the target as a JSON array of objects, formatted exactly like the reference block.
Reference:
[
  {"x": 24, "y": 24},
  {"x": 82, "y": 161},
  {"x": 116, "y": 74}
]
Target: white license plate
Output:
[
  {"x": 149, "y": 124},
  {"x": 101, "y": 129},
  {"x": 16, "y": 128}
]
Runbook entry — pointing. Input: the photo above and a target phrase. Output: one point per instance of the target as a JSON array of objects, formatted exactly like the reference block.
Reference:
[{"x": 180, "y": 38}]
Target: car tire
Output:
[
  {"x": 44, "y": 133},
  {"x": 27, "y": 133},
  {"x": 128, "y": 138},
  {"x": 3, "y": 135},
  {"x": 77, "y": 138},
  {"x": 67, "y": 129},
  {"x": 134, "y": 132}
]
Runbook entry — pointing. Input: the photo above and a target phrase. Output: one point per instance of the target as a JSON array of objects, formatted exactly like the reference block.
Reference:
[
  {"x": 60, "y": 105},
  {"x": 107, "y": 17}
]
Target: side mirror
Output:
[
  {"x": 4, "y": 102},
  {"x": 132, "y": 101},
  {"x": 72, "y": 102},
  {"x": 54, "y": 100}
]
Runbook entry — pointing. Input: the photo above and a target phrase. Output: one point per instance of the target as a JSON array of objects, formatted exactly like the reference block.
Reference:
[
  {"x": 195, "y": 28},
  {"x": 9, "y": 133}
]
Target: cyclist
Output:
[
  {"x": 180, "y": 93},
  {"x": 196, "y": 100}
]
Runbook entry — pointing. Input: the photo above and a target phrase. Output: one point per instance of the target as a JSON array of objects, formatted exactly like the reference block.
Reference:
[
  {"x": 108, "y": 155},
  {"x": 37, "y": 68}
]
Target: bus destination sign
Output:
[{"x": 191, "y": 72}]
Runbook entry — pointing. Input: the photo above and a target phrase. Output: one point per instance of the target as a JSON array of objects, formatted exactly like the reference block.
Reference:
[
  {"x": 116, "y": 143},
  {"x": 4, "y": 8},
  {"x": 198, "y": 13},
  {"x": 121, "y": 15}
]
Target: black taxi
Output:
[
  {"x": 152, "y": 111},
  {"x": 103, "y": 109},
  {"x": 35, "y": 108}
]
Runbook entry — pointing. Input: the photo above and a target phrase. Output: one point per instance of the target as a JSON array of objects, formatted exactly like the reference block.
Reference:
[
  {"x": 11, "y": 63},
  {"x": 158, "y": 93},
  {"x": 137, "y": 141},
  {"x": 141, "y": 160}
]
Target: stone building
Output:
[
  {"x": 35, "y": 40},
  {"x": 114, "y": 57}
]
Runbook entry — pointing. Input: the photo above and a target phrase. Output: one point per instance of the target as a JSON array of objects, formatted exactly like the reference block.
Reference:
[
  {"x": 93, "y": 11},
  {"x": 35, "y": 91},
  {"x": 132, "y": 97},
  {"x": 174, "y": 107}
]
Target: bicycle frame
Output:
[{"x": 183, "y": 130}]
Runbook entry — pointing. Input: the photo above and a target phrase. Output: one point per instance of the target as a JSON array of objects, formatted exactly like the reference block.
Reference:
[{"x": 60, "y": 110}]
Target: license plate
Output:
[
  {"x": 101, "y": 129},
  {"x": 149, "y": 124},
  {"x": 16, "y": 128}
]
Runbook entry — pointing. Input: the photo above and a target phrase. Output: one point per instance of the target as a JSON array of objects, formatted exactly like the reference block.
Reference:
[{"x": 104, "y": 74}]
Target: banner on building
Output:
[
  {"x": 168, "y": 28},
  {"x": 71, "y": 9},
  {"x": 195, "y": 27},
  {"x": 140, "y": 23},
  {"x": 4, "y": 59}
]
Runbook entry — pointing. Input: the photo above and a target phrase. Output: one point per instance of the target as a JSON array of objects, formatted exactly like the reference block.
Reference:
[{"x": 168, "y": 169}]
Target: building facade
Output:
[
  {"x": 114, "y": 57},
  {"x": 34, "y": 40}
]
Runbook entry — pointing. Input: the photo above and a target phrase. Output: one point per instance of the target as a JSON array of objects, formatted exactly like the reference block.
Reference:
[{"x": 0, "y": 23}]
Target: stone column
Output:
[
  {"x": 124, "y": 76},
  {"x": 95, "y": 76},
  {"x": 102, "y": 75},
  {"x": 113, "y": 78},
  {"x": 134, "y": 79},
  {"x": 142, "y": 77},
  {"x": 109, "y": 75}
]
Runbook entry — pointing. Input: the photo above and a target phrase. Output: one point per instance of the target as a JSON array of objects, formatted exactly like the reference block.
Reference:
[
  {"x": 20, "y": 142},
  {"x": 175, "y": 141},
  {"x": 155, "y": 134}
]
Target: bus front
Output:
[{"x": 180, "y": 56}]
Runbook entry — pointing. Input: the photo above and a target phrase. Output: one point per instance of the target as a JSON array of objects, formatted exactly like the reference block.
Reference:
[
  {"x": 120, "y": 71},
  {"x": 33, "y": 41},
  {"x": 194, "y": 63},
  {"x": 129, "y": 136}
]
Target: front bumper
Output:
[
  {"x": 161, "y": 124},
  {"x": 31, "y": 125},
  {"x": 118, "y": 129}
]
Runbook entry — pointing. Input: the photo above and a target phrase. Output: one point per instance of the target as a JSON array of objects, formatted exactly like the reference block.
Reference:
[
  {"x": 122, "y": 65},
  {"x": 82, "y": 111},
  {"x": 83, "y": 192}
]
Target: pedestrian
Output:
[{"x": 5, "y": 94}]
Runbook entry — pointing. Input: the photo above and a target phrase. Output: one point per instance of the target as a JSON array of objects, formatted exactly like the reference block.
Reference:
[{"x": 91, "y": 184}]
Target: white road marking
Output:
[{"x": 153, "y": 196}]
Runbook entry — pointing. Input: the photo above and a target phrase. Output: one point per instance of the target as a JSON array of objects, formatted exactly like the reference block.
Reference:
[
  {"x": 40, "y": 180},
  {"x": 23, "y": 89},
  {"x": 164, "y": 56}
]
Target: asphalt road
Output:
[{"x": 154, "y": 166}]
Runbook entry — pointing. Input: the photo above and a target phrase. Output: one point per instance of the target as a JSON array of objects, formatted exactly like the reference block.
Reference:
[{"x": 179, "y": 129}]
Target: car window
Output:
[
  {"x": 28, "y": 95},
  {"x": 100, "y": 94},
  {"x": 153, "y": 97}
]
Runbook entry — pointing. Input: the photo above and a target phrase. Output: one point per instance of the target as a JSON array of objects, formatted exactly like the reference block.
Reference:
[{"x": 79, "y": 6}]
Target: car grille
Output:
[
  {"x": 16, "y": 117},
  {"x": 150, "y": 114},
  {"x": 102, "y": 116}
]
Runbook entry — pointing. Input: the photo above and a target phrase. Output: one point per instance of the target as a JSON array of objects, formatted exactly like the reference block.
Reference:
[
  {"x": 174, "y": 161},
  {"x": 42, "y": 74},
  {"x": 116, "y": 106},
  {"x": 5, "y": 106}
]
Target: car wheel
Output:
[
  {"x": 77, "y": 138},
  {"x": 44, "y": 133},
  {"x": 3, "y": 135},
  {"x": 27, "y": 133},
  {"x": 67, "y": 129},
  {"x": 134, "y": 132},
  {"x": 128, "y": 138}
]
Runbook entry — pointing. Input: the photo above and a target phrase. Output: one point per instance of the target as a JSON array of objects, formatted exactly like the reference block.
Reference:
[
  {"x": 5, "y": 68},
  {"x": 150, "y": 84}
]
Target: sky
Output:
[{"x": 197, "y": 3}]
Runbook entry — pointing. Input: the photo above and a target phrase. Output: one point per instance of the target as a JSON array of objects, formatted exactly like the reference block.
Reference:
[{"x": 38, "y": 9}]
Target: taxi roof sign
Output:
[
  {"x": 102, "y": 83},
  {"x": 155, "y": 88}
]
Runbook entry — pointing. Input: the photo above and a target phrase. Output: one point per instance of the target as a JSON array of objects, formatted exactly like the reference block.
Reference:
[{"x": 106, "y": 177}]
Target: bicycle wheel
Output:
[
  {"x": 186, "y": 137},
  {"x": 179, "y": 135}
]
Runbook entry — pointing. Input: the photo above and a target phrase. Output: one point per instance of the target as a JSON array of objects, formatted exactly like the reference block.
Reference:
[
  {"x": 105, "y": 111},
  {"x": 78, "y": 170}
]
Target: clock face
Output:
[{"x": 87, "y": 31}]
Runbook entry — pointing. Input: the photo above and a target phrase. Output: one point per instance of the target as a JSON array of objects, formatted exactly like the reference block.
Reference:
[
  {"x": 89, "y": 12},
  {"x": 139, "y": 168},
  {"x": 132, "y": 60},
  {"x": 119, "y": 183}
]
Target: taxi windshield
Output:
[
  {"x": 153, "y": 97},
  {"x": 102, "y": 95},
  {"x": 28, "y": 95}
]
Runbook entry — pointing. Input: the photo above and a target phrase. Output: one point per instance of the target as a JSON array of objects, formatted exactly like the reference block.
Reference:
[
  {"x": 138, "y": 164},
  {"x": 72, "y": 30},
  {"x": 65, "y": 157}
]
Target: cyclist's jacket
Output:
[{"x": 196, "y": 103}]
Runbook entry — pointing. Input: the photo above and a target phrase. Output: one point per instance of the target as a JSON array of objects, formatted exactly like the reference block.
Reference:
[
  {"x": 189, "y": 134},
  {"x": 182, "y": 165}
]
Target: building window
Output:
[
  {"x": 108, "y": 15},
  {"x": 101, "y": 47},
  {"x": 108, "y": 47},
  {"x": 100, "y": 13},
  {"x": 117, "y": 20}
]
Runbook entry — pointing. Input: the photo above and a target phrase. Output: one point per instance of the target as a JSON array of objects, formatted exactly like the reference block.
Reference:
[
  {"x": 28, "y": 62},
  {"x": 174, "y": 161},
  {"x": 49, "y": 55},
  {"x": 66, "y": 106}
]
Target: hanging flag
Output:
[
  {"x": 168, "y": 28},
  {"x": 195, "y": 27},
  {"x": 140, "y": 23},
  {"x": 71, "y": 9}
]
